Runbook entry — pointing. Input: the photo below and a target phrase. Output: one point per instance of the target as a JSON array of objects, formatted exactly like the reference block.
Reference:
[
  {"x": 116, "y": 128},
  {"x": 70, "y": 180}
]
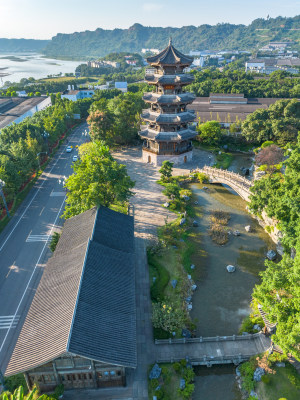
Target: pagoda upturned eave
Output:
[
  {"x": 169, "y": 79},
  {"x": 169, "y": 57},
  {"x": 162, "y": 136},
  {"x": 182, "y": 98},
  {"x": 175, "y": 118}
]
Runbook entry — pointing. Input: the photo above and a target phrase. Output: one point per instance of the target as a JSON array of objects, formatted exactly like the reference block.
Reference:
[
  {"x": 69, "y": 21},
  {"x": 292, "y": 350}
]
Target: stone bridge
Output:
[
  {"x": 238, "y": 183},
  {"x": 212, "y": 350}
]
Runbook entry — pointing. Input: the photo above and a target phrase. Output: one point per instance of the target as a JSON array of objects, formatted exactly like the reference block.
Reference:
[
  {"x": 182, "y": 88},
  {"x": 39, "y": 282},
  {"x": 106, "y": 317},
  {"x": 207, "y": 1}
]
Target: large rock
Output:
[
  {"x": 155, "y": 372},
  {"x": 195, "y": 224},
  {"x": 280, "y": 365},
  {"x": 271, "y": 255},
  {"x": 230, "y": 268},
  {"x": 166, "y": 204},
  {"x": 194, "y": 287},
  {"x": 257, "y": 327},
  {"x": 248, "y": 228},
  {"x": 236, "y": 233},
  {"x": 258, "y": 373},
  {"x": 186, "y": 333},
  {"x": 182, "y": 221},
  {"x": 174, "y": 283}
]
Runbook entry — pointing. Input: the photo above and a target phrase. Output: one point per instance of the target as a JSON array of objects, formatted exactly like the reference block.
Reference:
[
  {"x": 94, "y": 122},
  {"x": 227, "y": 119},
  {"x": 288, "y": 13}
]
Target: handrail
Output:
[{"x": 208, "y": 339}]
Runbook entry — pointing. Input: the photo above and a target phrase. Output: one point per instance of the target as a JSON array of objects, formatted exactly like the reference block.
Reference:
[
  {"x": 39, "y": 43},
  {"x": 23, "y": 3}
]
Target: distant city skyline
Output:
[{"x": 36, "y": 19}]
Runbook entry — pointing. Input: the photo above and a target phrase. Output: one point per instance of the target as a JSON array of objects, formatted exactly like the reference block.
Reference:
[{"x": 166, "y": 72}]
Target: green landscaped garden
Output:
[
  {"x": 170, "y": 261},
  {"x": 167, "y": 386},
  {"x": 284, "y": 384}
]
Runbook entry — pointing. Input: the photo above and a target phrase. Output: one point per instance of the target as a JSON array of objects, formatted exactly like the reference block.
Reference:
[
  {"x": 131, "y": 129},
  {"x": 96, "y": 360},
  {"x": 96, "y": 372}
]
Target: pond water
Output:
[
  {"x": 24, "y": 65},
  {"x": 222, "y": 299},
  {"x": 216, "y": 383}
]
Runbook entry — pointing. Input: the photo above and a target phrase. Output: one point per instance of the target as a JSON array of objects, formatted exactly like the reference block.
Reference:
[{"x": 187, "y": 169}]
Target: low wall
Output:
[{"x": 157, "y": 160}]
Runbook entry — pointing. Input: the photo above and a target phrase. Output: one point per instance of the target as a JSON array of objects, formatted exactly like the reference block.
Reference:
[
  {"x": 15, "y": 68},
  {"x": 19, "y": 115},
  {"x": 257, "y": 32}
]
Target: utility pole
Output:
[{"x": 2, "y": 184}]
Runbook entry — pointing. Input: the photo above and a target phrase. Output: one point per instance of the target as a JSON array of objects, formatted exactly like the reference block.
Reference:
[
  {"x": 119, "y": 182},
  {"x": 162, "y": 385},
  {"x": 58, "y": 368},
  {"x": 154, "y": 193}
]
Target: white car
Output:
[
  {"x": 69, "y": 149},
  {"x": 75, "y": 158}
]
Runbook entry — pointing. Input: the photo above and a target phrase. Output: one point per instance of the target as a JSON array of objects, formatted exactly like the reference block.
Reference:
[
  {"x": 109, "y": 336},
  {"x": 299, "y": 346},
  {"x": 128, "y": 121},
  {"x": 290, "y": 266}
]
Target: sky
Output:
[{"x": 42, "y": 19}]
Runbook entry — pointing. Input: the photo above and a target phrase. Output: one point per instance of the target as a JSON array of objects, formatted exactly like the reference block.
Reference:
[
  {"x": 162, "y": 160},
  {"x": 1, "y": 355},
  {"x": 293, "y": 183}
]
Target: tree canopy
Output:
[{"x": 97, "y": 180}]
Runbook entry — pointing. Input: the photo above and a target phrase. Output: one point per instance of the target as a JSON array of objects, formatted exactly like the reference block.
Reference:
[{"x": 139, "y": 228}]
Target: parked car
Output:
[
  {"x": 69, "y": 149},
  {"x": 75, "y": 158}
]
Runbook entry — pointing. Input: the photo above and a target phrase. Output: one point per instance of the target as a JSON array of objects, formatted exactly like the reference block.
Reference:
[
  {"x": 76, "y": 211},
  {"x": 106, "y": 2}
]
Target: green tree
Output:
[
  {"x": 19, "y": 395},
  {"x": 279, "y": 295},
  {"x": 209, "y": 132},
  {"x": 167, "y": 316},
  {"x": 97, "y": 180},
  {"x": 166, "y": 171}
]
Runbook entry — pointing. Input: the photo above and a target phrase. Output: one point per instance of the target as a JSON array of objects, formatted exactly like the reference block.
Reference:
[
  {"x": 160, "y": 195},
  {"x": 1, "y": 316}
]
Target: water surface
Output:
[{"x": 25, "y": 65}]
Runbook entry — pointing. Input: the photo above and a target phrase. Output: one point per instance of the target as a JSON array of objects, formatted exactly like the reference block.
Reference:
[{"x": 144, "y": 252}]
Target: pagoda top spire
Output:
[{"x": 170, "y": 56}]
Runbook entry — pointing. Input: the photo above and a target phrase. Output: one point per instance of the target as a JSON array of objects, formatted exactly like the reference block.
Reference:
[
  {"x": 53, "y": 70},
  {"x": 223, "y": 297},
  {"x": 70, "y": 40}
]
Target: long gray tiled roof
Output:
[
  {"x": 104, "y": 324},
  {"x": 85, "y": 302},
  {"x": 170, "y": 56}
]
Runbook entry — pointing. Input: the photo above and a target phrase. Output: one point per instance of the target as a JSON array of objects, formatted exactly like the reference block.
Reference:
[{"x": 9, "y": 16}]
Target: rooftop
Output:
[
  {"x": 14, "y": 107},
  {"x": 85, "y": 302}
]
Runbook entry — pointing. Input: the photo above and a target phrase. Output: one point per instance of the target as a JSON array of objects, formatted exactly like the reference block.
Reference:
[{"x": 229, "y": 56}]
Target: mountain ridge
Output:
[{"x": 222, "y": 36}]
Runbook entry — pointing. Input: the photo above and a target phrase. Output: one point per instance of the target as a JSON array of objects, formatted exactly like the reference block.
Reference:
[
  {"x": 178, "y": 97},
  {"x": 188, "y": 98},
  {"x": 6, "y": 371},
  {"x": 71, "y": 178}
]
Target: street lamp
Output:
[
  {"x": 45, "y": 136},
  {"x": 2, "y": 184},
  {"x": 42, "y": 152}
]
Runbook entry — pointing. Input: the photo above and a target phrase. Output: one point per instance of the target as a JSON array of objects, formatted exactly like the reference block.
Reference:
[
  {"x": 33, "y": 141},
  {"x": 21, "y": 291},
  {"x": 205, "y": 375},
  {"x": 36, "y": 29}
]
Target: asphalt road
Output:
[{"x": 24, "y": 244}]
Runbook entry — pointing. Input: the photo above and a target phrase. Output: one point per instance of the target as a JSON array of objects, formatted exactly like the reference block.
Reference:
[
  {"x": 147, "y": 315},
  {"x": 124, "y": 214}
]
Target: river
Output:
[
  {"x": 222, "y": 299},
  {"x": 24, "y": 65}
]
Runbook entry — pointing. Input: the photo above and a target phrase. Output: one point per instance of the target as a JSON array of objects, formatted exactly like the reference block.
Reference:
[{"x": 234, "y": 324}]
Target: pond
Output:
[{"x": 222, "y": 299}]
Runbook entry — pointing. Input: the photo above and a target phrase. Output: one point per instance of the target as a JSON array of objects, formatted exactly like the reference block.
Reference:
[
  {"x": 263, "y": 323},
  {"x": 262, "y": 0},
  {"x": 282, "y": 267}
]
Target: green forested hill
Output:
[
  {"x": 100, "y": 42},
  {"x": 20, "y": 45}
]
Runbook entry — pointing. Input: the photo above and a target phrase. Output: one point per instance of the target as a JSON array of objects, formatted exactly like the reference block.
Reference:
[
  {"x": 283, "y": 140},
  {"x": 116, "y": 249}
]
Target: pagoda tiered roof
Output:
[
  {"x": 170, "y": 56},
  {"x": 183, "y": 117},
  {"x": 169, "y": 79},
  {"x": 161, "y": 136},
  {"x": 182, "y": 98}
]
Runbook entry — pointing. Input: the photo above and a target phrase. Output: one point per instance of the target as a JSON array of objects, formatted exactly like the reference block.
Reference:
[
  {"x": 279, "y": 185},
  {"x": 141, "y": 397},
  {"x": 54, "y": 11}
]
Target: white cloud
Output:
[{"x": 152, "y": 6}]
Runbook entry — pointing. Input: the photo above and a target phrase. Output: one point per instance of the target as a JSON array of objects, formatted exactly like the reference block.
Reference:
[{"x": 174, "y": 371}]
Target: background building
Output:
[{"x": 16, "y": 109}]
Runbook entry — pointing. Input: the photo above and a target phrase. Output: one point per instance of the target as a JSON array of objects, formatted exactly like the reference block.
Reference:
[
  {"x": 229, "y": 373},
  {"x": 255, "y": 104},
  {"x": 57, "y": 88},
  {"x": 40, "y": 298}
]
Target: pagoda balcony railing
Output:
[
  {"x": 169, "y": 152},
  {"x": 147, "y": 110}
]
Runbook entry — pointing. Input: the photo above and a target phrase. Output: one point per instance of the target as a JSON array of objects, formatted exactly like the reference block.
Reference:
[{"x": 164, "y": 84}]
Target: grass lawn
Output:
[{"x": 279, "y": 385}]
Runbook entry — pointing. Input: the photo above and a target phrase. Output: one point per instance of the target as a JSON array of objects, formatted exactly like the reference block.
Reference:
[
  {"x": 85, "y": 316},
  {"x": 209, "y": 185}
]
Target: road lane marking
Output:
[
  {"x": 31, "y": 276},
  {"x": 57, "y": 194},
  {"x": 8, "y": 320},
  {"x": 37, "y": 238},
  {"x": 42, "y": 211},
  {"x": 29, "y": 204}
]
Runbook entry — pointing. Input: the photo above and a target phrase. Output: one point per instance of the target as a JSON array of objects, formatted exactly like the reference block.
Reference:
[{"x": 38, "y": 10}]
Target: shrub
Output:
[
  {"x": 189, "y": 374},
  {"x": 176, "y": 367},
  {"x": 248, "y": 383},
  {"x": 293, "y": 377},
  {"x": 183, "y": 363},
  {"x": 265, "y": 379},
  {"x": 54, "y": 241},
  {"x": 154, "y": 383},
  {"x": 162, "y": 279},
  {"x": 267, "y": 143},
  {"x": 202, "y": 178}
]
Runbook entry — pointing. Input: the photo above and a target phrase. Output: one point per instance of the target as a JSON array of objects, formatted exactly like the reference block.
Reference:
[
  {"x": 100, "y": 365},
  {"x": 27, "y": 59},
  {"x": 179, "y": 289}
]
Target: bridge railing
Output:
[
  {"x": 230, "y": 176},
  {"x": 209, "y": 360},
  {"x": 208, "y": 339}
]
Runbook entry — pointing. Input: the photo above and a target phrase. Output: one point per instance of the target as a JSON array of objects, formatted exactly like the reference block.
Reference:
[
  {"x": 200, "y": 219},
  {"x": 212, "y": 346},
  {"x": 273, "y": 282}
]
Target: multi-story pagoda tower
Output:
[{"x": 167, "y": 134}]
